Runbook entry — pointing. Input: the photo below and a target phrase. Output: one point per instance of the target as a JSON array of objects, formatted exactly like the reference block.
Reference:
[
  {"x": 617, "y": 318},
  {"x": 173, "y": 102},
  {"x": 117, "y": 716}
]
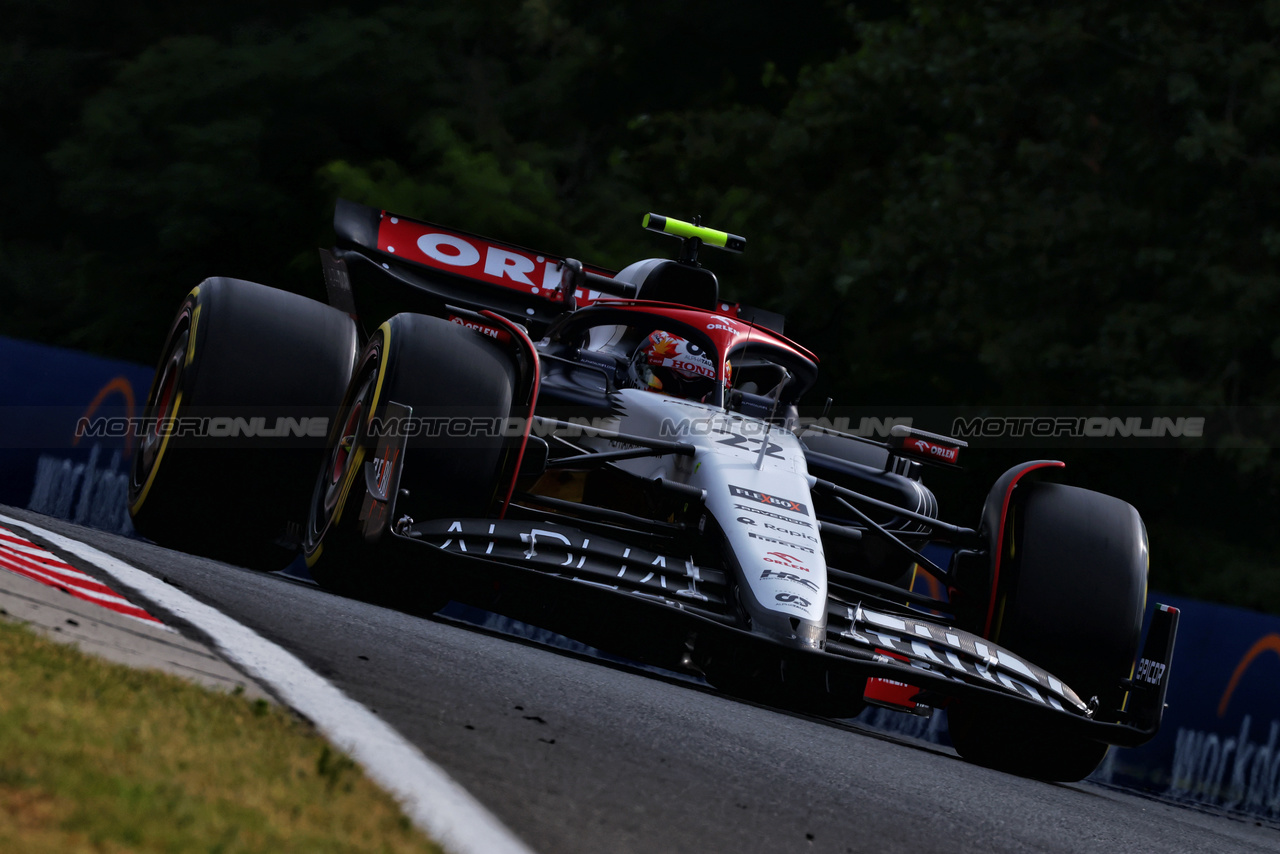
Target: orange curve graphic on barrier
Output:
[
  {"x": 119, "y": 385},
  {"x": 1267, "y": 643}
]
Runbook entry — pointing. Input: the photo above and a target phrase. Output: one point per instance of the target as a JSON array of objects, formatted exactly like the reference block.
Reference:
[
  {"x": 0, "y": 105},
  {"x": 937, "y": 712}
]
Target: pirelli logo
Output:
[{"x": 770, "y": 500}]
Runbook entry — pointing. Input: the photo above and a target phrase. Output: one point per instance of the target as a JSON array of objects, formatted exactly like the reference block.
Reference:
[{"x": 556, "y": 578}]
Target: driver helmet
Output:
[{"x": 672, "y": 365}]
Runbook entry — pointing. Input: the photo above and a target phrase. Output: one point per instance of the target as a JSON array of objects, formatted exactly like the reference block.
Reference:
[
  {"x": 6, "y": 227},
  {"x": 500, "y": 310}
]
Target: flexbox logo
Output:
[{"x": 770, "y": 500}]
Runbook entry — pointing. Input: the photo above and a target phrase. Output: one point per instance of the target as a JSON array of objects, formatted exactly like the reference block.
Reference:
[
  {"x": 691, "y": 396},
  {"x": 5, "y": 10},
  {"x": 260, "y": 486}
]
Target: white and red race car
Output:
[{"x": 620, "y": 457}]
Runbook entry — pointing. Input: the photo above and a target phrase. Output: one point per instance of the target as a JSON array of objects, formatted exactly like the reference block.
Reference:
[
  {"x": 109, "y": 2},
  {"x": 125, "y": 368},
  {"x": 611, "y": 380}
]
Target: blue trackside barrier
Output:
[
  {"x": 47, "y": 392},
  {"x": 1219, "y": 746},
  {"x": 1220, "y": 742}
]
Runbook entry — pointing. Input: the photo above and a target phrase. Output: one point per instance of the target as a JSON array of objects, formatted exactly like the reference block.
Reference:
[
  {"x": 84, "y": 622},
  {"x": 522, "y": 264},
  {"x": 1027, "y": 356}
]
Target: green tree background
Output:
[{"x": 975, "y": 204}]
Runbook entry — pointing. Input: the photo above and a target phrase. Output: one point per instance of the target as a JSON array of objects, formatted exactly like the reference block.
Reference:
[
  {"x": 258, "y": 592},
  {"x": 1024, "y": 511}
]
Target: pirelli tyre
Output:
[
  {"x": 1071, "y": 598},
  {"x": 236, "y": 418},
  {"x": 451, "y": 378}
]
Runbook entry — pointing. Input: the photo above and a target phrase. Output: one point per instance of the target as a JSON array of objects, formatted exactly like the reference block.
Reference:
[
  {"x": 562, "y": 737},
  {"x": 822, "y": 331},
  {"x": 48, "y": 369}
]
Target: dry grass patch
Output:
[{"x": 98, "y": 757}]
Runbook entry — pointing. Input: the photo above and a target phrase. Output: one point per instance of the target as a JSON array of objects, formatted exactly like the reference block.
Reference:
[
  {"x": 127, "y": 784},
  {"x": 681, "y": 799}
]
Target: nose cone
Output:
[{"x": 789, "y": 630}]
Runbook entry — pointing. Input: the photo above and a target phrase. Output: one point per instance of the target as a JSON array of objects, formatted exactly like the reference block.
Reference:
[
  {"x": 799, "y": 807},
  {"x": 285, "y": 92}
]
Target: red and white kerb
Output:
[{"x": 26, "y": 558}]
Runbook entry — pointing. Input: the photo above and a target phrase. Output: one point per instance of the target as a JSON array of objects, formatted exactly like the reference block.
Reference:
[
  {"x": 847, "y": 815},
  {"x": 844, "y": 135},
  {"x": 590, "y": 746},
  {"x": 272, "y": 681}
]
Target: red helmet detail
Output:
[{"x": 673, "y": 365}]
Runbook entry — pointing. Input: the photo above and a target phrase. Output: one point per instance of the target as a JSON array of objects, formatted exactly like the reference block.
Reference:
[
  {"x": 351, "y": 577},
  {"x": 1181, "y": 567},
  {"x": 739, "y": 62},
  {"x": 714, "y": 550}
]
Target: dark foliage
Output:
[{"x": 976, "y": 204}]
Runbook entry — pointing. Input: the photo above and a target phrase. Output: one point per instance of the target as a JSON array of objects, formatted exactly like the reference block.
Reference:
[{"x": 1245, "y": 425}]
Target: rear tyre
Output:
[
  {"x": 450, "y": 376},
  {"x": 238, "y": 352},
  {"x": 1072, "y": 594}
]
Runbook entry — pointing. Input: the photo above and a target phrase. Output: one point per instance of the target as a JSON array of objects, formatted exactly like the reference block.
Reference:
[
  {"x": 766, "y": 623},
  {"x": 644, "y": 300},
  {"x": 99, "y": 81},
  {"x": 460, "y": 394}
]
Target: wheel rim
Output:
[
  {"x": 167, "y": 391},
  {"x": 343, "y": 458}
]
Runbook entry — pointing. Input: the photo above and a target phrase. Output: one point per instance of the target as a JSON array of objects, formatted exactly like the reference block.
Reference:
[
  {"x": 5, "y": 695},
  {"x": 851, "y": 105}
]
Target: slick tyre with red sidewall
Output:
[
  {"x": 248, "y": 381},
  {"x": 1071, "y": 599},
  {"x": 459, "y": 385}
]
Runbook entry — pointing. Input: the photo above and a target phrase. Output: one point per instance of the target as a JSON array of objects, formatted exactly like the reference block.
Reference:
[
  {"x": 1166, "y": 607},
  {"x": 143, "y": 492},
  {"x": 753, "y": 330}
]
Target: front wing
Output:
[{"x": 581, "y": 570}]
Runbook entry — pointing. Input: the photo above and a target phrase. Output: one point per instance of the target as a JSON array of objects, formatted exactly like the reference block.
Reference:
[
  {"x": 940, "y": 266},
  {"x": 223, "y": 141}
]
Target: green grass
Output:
[{"x": 97, "y": 757}]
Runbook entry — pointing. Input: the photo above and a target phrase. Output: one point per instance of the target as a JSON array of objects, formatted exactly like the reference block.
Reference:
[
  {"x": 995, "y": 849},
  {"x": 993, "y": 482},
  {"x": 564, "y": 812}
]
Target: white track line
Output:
[{"x": 432, "y": 799}]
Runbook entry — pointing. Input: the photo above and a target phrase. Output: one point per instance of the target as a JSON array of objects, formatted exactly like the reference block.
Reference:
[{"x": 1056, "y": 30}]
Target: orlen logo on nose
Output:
[{"x": 784, "y": 559}]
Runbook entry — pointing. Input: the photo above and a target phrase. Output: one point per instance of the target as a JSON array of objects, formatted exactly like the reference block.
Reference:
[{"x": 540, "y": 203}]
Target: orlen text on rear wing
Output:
[{"x": 436, "y": 267}]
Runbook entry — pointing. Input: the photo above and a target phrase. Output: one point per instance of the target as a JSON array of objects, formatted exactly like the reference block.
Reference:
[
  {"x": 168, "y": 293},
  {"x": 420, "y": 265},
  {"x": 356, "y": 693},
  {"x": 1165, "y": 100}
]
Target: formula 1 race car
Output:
[{"x": 619, "y": 457}]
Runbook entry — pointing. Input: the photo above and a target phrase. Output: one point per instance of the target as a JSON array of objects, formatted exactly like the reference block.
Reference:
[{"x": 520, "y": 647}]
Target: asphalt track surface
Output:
[{"x": 576, "y": 755}]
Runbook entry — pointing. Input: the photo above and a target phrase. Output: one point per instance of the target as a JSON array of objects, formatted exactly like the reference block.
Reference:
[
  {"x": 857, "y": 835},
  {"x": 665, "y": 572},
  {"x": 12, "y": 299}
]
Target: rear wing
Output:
[
  {"x": 421, "y": 266},
  {"x": 385, "y": 263}
]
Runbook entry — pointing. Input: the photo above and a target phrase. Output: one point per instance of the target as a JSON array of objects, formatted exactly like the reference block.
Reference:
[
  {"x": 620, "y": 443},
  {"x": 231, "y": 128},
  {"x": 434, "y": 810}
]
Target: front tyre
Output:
[
  {"x": 1071, "y": 599},
  {"x": 459, "y": 385}
]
